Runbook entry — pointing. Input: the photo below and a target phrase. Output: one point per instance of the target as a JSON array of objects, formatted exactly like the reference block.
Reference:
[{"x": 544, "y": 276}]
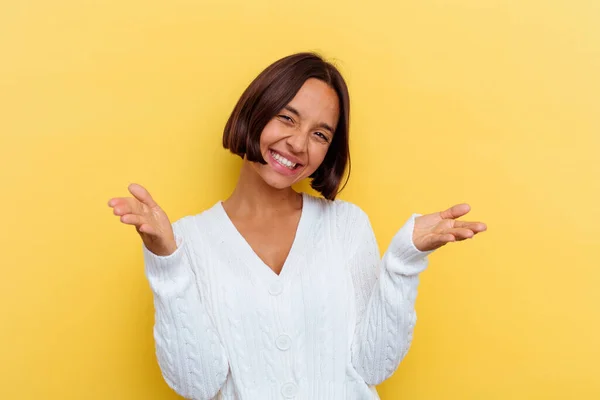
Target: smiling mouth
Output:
[{"x": 284, "y": 162}]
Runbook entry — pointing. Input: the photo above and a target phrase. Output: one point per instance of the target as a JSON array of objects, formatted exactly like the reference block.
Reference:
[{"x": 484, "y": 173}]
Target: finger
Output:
[
  {"x": 147, "y": 229},
  {"x": 133, "y": 219},
  {"x": 138, "y": 222},
  {"x": 476, "y": 227},
  {"x": 460, "y": 233},
  {"x": 128, "y": 205},
  {"x": 440, "y": 240},
  {"x": 456, "y": 211},
  {"x": 141, "y": 194},
  {"x": 115, "y": 201},
  {"x": 118, "y": 204},
  {"x": 136, "y": 206}
]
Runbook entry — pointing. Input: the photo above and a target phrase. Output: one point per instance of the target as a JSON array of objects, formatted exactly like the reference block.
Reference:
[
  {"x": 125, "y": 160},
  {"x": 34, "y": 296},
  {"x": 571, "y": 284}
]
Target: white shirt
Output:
[{"x": 335, "y": 322}]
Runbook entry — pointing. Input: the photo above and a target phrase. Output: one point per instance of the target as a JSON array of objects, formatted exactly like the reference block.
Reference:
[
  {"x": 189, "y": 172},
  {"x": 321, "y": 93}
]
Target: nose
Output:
[{"x": 297, "y": 142}]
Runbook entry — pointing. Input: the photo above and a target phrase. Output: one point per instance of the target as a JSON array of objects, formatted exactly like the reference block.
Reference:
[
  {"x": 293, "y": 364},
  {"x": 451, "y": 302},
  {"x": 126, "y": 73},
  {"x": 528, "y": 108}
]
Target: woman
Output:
[{"x": 276, "y": 294}]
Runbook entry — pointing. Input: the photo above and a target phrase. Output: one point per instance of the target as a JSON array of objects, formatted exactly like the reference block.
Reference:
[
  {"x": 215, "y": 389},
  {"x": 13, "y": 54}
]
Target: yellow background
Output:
[{"x": 495, "y": 103}]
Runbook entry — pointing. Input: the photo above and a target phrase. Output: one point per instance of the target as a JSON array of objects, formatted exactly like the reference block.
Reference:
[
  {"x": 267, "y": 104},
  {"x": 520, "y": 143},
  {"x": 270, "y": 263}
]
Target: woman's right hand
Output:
[{"x": 150, "y": 221}]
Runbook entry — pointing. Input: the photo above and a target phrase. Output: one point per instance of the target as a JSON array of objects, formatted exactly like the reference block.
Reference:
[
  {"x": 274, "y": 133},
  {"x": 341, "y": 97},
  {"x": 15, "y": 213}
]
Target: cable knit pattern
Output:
[
  {"x": 335, "y": 322},
  {"x": 386, "y": 300},
  {"x": 189, "y": 353}
]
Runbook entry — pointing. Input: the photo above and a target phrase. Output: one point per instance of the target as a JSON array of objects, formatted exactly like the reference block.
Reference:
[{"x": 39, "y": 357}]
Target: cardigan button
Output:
[
  {"x": 276, "y": 288},
  {"x": 289, "y": 390},
  {"x": 283, "y": 342}
]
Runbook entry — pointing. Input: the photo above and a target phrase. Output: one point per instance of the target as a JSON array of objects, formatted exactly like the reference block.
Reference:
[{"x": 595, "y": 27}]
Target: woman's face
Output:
[{"x": 295, "y": 141}]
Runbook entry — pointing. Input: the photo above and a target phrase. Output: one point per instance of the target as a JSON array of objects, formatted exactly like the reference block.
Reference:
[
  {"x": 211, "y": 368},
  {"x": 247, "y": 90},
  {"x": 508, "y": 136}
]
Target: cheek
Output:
[
  {"x": 318, "y": 155},
  {"x": 268, "y": 135}
]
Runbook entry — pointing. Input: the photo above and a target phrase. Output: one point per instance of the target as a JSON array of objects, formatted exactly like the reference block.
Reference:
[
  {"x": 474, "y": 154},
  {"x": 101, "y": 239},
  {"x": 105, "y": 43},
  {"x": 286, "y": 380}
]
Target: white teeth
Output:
[{"x": 283, "y": 161}]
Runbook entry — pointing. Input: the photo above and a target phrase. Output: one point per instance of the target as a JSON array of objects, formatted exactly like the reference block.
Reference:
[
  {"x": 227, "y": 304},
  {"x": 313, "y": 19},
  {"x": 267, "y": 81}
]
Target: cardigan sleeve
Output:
[
  {"x": 385, "y": 293},
  {"x": 189, "y": 352}
]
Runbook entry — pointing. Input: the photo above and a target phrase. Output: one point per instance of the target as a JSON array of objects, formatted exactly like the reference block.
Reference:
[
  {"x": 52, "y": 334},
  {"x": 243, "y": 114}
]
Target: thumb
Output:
[{"x": 141, "y": 194}]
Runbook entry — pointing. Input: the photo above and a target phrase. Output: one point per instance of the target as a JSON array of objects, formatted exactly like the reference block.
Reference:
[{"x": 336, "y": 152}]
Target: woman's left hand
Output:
[{"x": 433, "y": 231}]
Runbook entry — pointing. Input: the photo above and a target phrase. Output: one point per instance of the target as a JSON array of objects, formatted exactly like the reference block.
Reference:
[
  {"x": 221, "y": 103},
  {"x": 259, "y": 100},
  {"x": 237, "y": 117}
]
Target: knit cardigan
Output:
[{"x": 333, "y": 324}]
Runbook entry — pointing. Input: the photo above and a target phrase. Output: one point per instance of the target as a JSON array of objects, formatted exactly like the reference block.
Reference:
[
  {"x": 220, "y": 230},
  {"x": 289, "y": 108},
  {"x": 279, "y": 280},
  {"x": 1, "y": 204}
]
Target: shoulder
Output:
[
  {"x": 344, "y": 218},
  {"x": 348, "y": 225},
  {"x": 196, "y": 224},
  {"x": 340, "y": 210}
]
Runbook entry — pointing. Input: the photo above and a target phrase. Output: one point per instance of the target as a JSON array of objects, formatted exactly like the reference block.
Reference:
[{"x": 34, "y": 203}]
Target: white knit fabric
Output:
[{"x": 334, "y": 323}]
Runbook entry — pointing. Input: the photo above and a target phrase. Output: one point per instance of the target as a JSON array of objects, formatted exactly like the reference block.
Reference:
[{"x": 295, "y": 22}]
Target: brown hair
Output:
[{"x": 271, "y": 91}]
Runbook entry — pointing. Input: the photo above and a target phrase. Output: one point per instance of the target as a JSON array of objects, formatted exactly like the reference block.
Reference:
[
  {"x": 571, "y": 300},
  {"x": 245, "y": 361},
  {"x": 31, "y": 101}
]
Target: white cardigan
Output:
[{"x": 333, "y": 324}]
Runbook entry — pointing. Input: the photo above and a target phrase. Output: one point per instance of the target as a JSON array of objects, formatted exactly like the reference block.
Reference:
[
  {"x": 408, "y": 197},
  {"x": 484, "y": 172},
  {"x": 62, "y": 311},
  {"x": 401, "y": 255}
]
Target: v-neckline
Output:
[{"x": 251, "y": 257}]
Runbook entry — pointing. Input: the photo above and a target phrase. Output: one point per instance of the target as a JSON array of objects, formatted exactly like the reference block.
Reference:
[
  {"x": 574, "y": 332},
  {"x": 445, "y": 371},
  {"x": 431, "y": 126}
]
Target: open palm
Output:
[
  {"x": 150, "y": 221},
  {"x": 434, "y": 230}
]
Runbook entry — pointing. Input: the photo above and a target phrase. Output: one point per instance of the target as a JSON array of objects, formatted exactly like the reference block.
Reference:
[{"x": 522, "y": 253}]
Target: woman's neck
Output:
[{"x": 252, "y": 196}]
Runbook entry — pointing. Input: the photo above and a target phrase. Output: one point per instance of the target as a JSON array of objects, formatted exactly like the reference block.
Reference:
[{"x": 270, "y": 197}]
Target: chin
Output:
[{"x": 278, "y": 182}]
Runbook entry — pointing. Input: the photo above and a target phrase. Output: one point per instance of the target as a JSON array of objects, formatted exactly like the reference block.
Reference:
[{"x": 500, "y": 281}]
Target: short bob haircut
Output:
[{"x": 269, "y": 93}]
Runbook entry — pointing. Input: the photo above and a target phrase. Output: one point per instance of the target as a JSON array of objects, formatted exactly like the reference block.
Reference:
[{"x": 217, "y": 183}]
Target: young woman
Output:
[{"x": 274, "y": 294}]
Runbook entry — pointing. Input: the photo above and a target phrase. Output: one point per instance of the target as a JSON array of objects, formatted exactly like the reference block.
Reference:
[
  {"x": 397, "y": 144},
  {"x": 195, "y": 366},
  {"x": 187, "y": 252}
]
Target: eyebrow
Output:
[{"x": 320, "y": 125}]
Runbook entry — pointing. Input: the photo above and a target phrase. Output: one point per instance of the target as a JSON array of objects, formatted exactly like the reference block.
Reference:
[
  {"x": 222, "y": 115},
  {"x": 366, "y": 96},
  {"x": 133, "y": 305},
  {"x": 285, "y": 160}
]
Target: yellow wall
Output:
[{"x": 491, "y": 102}]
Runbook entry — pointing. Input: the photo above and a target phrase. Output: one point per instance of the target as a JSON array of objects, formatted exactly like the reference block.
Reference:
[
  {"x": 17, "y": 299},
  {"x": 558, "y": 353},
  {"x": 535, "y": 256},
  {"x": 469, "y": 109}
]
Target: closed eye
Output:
[
  {"x": 286, "y": 118},
  {"x": 322, "y": 136}
]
